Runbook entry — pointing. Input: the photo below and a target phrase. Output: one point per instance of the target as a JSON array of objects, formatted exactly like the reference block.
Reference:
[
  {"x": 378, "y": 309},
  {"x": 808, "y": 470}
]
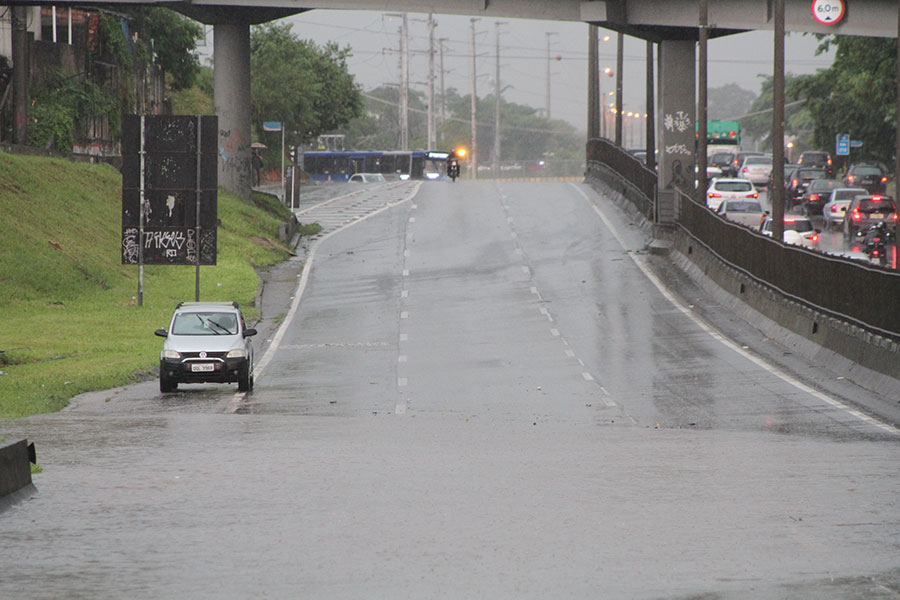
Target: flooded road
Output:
[{"x": 481, "y": 392}]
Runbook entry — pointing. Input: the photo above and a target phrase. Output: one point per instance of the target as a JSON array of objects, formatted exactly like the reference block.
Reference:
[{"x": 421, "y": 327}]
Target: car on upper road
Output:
[
  {"x": 800, "y": 178},
  {"x": 816, "y": 195},
  {"x": 757, "y": 169},
  {"x": 729, "y": 187},
  {"x": 869, "y": 175},
  {"x": 207, "y": 342},
  {"x": 797, "y": 230},
  {"x": 865, "y": 211},
  {"x": 367, "y": 178},
  {"x": 836, "y": 206},
  {"x": 746, "y": 211},
  {"x": 816, "y": 158}
]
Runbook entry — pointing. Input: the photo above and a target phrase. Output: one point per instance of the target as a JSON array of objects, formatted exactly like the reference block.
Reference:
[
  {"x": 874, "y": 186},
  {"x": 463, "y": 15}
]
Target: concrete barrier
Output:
[{"x": 15, "y": 467}]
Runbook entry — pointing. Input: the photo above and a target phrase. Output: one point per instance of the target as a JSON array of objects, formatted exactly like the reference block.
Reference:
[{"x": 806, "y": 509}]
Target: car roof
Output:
[{"x": 201, "y": 306}]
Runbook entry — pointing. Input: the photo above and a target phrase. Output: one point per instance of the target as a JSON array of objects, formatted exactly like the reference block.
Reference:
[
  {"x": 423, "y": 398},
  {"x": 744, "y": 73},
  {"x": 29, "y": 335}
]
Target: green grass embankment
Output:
[{"x": 69, "y": 319}]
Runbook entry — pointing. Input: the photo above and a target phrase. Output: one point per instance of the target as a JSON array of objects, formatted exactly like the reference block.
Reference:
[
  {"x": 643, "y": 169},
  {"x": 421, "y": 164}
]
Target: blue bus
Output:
[{"x": 338, "y": 166}]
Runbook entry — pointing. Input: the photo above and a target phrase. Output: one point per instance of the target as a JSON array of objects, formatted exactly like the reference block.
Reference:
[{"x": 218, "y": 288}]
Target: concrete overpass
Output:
[{"x": 674, "y": 25}]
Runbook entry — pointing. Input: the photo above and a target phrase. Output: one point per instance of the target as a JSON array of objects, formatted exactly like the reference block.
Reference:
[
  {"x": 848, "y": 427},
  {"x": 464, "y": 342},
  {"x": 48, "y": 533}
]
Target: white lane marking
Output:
[
  {"x": 526, "y": 270},
  {"x": 401, "y": 358},
  {"x": 406, "y": 272},
  {"x": 304, "y": 278},
  {"x": 404, "y": 314},
  {"x": 570, "y": 353},
  {"x": 412, "y": 219},
  {"x": 607, "y": 399},
  {"x": 587, "y": 376},
  {"x": 414, "y": 206},
  {"x": 402, "y": 382},
  {"x": 235, "y": 403},
  {"x": 404, "y": 337},
  {"x": 406, "y": 253},
  {"x": 554, "y": 332},
  {"x": 404, "y": 293},
  {"x": 641, "y": 264},
  {"x": 519, "y": 251}
]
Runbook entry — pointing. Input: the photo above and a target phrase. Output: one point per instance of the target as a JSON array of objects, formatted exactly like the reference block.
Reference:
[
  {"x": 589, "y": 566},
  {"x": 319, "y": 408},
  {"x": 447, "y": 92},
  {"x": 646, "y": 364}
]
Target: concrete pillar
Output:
[
  {"x": 676, "y": 114},
  {"x": 675, "y": 123},
  {"x": 231, "y": 89}
]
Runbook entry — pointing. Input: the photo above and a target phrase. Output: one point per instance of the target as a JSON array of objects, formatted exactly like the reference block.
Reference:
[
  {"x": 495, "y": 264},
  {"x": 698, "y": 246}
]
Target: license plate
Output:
[
  {"x": 877, "y": 215},
  {"x": 203, "y": 367}
]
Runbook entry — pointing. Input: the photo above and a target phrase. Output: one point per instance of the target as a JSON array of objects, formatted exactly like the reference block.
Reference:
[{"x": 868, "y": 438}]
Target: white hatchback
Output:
[{"x": 721, "y": 188}]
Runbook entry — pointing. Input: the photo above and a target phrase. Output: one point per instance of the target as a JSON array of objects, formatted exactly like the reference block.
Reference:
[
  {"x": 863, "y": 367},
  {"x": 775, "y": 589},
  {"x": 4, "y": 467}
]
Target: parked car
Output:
[
  {"x": 738, "y": 160},
  {"x": 757, "y": 169},
  {"x": 746, "y": 211},
  {"x": 836, "y": 206},
  {"x": 867, "y": 175},
  {"x": 865, "y": 211},
  {"x": 816, "y": 194},
  {"x": 800, "y": 178},
  {"x": 367, "y": 178},
  {"x": 722, "y": 188},
  {"x": 206, "y": 342},
  {"x": 797, "y": 230},
  {"x": 816, "y": 158}
]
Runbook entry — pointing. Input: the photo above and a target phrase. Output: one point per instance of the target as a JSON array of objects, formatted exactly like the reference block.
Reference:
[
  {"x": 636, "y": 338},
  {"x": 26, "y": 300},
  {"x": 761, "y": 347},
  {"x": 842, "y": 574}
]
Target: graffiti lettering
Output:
[
  {"x": 677, "y": 149},
  {"x": 680, "y": 121},
  {"x": 130, "y": 246},
  {"x": 164, "y": 240}
]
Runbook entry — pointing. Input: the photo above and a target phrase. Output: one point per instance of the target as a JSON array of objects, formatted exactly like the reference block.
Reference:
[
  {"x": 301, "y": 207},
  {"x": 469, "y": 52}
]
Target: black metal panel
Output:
[{"x": 169, "y": 189}]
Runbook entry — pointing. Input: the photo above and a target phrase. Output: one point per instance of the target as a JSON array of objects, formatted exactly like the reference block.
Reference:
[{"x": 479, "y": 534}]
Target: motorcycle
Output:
[
  {"x": 453, "y": 169},
  {"x": 875, "y": 242}
]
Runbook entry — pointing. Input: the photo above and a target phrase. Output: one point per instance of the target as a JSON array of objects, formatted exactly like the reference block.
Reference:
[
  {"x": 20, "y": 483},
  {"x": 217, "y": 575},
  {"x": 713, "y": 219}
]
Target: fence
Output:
[{"x": 850, "y": 290}]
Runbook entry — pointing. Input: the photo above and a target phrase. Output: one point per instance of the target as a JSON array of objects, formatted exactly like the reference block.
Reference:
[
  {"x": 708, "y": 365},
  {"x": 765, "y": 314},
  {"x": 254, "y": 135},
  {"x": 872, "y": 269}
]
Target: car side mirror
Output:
[
  {"x": 161, "y": 333},
  {"x": 249, "y": 332}
]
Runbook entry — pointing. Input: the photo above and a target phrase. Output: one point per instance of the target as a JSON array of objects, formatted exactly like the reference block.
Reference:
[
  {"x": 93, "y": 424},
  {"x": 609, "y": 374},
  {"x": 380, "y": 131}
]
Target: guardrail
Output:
[
  {"x": 607, "y": 160},
  {"x": 851, "y": 291}
]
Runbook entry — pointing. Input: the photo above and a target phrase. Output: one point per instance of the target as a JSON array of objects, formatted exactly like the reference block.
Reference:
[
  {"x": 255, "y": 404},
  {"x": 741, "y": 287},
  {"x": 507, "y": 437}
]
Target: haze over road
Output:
[{"x": 484, "y": 390}]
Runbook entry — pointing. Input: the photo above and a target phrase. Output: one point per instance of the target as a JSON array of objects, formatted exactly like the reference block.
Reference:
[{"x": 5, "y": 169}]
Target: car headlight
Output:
[
  {"x": 171, "y": 354},
  {"x": 236, "y": 353}
]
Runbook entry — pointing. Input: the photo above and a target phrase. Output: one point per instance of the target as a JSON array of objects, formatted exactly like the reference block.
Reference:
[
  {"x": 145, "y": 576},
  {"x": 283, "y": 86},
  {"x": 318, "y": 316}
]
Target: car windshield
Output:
[
  {"x": 721, "y": 158},
  {"x": 758, "y": 160},
  {"x": 811, "y": 174},
  {"x": 813, "y": 158},
  {"x": 743, "y": 206},
  {"x": 867, "y": 171},
  {"x": 205, "y": 323},
  {"x": 733, "y": 186},
  {"x": 876, "y": 206},
  {"x": 798, "y": 225},
  {"x": 848, "y": 194},
  {"x": 821, "y": 184}
]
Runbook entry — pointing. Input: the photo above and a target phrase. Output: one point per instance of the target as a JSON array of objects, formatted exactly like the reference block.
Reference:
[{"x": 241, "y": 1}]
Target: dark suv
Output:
[
  {"x": 865, "y": 211},
  {"x": 822, "y": 160},
  {"x": 206, "y": 342},
  {"x": 868, "y": 175}
]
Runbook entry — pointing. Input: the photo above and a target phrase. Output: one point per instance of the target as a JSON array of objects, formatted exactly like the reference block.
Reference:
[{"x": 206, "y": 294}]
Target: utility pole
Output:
[
  {"x": 497, "y": 90},
  {"x": 404, "y": 84},
  {"x": 620, "y": 46},
  {"x": 473, "y": 151},
  {"x": 443, "y": 102},
  {"x": 548, "y": 34},
  {"x": 702, "y": 94},
  {"x": 431, "y": 136}
]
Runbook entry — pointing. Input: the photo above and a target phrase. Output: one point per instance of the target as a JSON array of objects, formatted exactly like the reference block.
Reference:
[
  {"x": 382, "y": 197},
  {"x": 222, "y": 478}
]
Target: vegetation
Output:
[
  {"x": 798, "y": 122},
  {"x": 300, "y": 84},
  {"x": 70, "y": 322},
  {"x": 856, "y": 95}
]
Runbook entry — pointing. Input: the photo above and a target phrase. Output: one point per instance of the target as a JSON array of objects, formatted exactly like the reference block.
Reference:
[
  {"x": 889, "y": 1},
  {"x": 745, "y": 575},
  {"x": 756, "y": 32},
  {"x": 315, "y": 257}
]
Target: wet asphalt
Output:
[{"x": 473, "y": 390}]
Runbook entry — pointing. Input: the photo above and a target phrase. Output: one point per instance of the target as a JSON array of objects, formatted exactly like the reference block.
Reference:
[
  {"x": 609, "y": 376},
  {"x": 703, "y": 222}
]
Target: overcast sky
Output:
[{"x": 374, "y": 38}]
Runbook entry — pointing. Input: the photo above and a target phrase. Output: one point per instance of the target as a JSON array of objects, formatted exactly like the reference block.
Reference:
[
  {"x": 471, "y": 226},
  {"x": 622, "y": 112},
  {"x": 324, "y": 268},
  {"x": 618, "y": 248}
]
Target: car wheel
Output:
[
  {"x": 245, "y": 380},
  {"x": 166, "y": 385}
]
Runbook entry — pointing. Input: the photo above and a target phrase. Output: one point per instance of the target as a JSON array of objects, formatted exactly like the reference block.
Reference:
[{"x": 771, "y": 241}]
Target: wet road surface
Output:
[{"x": 479, "y": 393}]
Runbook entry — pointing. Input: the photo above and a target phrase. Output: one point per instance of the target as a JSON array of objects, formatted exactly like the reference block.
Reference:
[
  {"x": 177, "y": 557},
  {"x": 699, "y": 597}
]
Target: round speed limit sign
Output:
[{"x": 828, "y": 12}]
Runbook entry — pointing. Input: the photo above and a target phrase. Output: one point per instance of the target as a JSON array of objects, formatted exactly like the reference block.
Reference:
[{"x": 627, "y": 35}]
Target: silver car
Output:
[
  {"x": 207, "y": 342},
  {"x": 836, "y": 206}
]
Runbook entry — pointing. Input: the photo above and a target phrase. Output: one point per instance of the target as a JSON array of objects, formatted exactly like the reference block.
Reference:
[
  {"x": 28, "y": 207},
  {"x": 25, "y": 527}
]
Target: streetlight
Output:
[{"x": 609, "y": 73}]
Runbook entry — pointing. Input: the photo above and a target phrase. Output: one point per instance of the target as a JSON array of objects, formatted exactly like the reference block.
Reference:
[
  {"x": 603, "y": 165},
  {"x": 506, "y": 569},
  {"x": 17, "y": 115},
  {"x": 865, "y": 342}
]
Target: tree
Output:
[
  {"x": 856, "y": 95},
  {"x": 798, "y": 122},
  {"x": 306, "y": 87},
  {"x": 729, "y": 101},
  {"x": 175, "y": 43}
]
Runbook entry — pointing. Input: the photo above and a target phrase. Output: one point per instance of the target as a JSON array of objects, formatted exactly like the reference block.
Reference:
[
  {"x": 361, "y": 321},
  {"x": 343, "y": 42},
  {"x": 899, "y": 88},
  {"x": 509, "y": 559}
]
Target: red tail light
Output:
[
  {"x": 884, "y": 180},
  {"x": 753, "y": 195},
  {"x": 814, "y": 238},
  {"x": 849, "y": 178},
  {"x": 745, "y": 170},
  {"x": 813, "y": 197},
  {"x": 894, "y": 216},
  {"x": 875, "y": 253},
  {"x": 856, "y": 216},
  {"x": 713, "y": 195}
]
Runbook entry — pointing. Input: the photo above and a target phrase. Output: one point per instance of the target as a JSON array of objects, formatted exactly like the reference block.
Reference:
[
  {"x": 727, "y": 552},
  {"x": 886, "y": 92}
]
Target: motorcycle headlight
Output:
[
  {"x": 236, "y": 353},
  {"x": 171, "y": 354}
]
